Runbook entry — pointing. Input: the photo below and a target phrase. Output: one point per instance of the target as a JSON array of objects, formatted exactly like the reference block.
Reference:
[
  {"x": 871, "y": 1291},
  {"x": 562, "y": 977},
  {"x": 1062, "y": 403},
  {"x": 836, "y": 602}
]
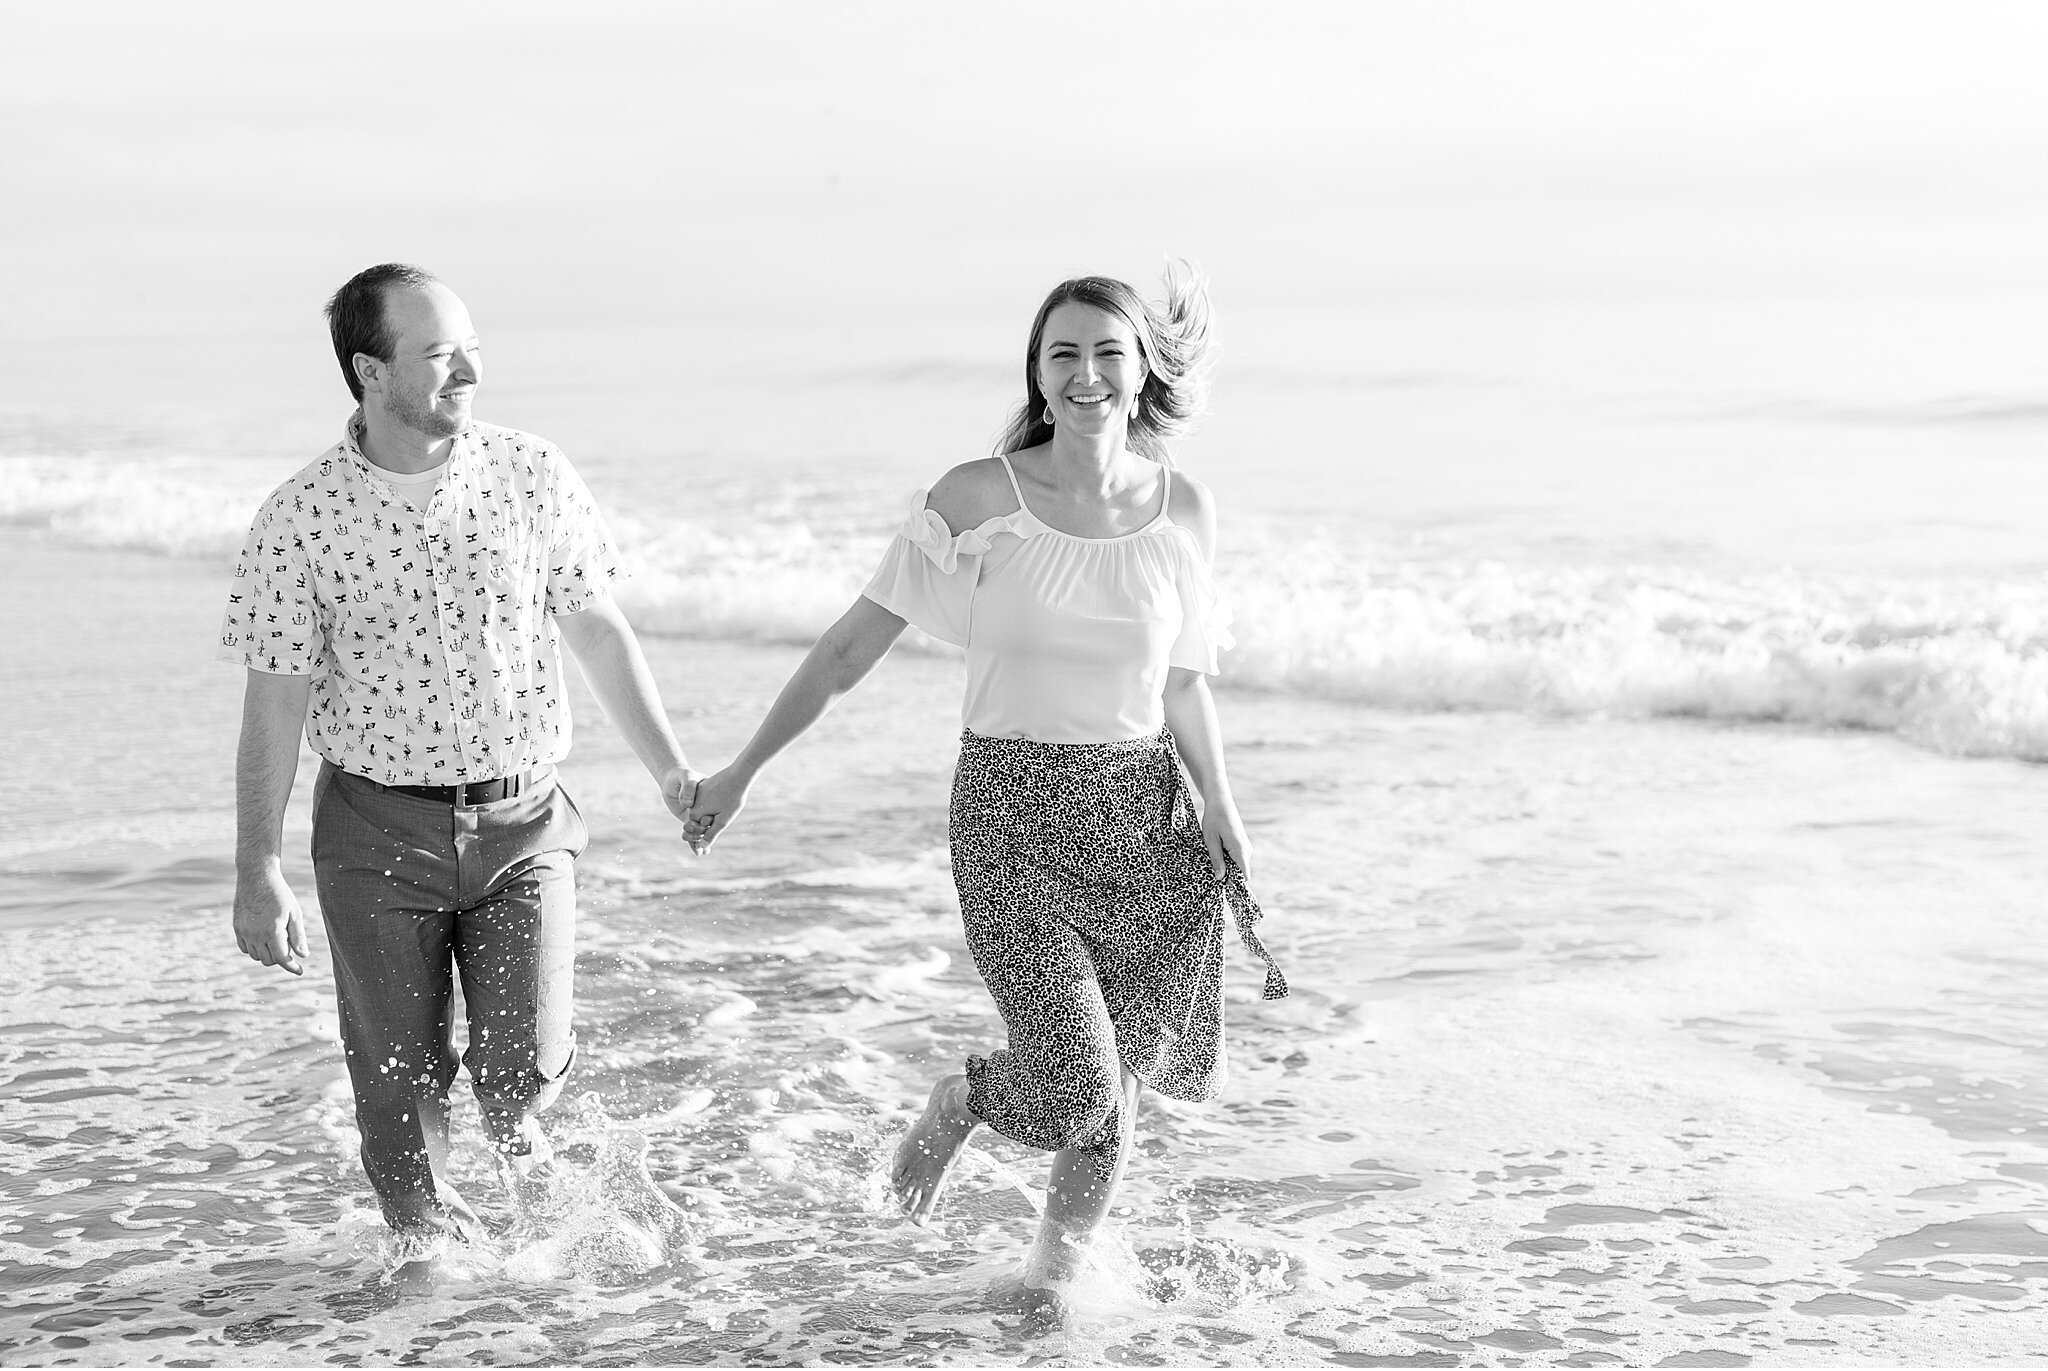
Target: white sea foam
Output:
[
  {"x": 1960, "y": 666},
  {"x": 173, "y": 504}
]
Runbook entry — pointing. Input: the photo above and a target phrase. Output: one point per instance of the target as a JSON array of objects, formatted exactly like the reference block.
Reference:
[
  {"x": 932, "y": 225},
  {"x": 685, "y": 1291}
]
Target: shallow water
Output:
[{"x": 1630, "y": 1042}]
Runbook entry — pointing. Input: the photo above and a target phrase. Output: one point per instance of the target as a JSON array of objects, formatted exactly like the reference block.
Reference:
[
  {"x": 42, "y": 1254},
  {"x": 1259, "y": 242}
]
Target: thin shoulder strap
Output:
[{"x": 1015, "y": 489}]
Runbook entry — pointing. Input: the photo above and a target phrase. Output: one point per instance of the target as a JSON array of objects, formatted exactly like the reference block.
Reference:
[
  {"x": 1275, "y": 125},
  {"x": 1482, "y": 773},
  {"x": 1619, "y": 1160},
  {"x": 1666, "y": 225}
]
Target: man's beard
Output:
[{"x": 415, "y": 409}]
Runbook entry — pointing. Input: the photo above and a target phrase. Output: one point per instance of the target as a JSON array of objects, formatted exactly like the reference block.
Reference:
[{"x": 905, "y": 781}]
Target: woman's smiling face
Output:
[{"x": 1089, "y": 368}]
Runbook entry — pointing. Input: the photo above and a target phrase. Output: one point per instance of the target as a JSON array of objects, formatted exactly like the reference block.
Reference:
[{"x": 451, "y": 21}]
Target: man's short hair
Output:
[{"x": 356, "y": 316}]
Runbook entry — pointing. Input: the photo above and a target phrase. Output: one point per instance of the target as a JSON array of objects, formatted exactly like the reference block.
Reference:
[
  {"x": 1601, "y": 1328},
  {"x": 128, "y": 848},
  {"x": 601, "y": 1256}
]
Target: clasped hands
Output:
[{"x": 706, "y": 804}]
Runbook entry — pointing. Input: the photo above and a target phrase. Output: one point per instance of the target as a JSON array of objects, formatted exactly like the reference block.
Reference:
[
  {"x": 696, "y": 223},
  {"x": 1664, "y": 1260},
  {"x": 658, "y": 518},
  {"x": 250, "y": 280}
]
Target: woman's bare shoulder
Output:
[
  {"x": 1192, "y": 507},
  {"x": 1190, "y": 495},
  {"x": 971, "y": 494}
]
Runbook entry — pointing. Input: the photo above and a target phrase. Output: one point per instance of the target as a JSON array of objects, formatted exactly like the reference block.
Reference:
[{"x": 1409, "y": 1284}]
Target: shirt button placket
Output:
[{"x": 441, "y": 568}]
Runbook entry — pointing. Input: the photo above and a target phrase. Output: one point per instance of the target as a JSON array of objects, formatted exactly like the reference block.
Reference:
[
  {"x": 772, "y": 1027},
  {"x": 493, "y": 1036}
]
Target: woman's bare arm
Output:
[{"x": 840, "y": 660}]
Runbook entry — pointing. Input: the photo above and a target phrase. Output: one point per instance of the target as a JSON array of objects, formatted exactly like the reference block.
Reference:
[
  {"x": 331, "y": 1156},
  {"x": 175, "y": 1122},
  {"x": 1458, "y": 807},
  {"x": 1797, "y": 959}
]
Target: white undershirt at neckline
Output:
[{"x": 418, "y": 480}]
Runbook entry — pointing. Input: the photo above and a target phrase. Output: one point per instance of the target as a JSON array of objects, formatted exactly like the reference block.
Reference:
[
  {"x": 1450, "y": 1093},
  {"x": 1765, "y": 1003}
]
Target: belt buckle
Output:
[{"x": 507, "y": 787}]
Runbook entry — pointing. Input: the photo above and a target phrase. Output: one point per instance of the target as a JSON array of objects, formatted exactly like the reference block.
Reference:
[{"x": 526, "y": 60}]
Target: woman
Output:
[{"x": 1073, "y": 568}]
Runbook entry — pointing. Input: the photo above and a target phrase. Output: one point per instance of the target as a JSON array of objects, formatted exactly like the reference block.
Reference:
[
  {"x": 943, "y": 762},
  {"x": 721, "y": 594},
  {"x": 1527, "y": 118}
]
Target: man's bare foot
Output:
[
  {"x": 417, "y": 1259},
  {"x": 926, "y": 1157},
  {"x": 462, "y": 1221},
  {"x": 523, "y": 1147},
  {"x": 526, "y": 1168},
  {"x": 418, "y": 1277}
]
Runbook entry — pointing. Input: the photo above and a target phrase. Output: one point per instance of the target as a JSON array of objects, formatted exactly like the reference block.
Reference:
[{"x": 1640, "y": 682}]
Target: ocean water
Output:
[{"x": 1638, "y": 709}]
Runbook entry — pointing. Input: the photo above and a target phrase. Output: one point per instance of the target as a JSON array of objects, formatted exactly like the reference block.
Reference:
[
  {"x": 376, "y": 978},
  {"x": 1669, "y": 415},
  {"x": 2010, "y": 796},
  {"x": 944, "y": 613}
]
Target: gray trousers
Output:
[{"x": 414, "y": 891}]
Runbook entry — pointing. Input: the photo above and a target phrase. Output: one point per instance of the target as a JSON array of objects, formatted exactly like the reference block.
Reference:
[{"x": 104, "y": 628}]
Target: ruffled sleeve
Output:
[
  {"x": 928, "y": 573},
  {"x": 1205, "y": 618}
]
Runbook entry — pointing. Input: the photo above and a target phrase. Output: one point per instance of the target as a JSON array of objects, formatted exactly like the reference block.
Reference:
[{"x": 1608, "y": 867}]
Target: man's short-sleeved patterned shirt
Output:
[{"x": 426, "y": 631}]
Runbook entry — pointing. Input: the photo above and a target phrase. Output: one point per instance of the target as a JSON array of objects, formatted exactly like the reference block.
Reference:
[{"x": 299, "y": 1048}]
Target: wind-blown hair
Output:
[
  {"x": 356, "y": 318},
  {"x": 1173, "y": 339}
]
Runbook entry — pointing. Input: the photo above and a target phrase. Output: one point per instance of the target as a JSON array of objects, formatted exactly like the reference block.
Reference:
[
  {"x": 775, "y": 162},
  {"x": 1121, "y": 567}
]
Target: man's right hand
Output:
[
  {"x": 269, "y": 926},
  {"x": 719, "y": 801}
]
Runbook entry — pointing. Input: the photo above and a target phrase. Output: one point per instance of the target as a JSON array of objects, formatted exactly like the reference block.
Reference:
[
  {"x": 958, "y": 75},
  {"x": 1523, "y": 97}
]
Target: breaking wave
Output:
[{"x": 1959, "y": 665}]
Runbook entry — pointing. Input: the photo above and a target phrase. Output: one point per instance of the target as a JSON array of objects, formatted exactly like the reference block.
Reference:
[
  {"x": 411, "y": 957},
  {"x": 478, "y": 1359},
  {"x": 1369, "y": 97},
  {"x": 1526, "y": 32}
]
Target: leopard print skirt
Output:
[{"x": 1098, "y": 926}]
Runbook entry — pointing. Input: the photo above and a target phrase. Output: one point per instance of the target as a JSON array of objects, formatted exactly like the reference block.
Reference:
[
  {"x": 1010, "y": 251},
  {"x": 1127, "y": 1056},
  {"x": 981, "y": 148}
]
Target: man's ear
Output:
[{"x": 369, "y": 371}]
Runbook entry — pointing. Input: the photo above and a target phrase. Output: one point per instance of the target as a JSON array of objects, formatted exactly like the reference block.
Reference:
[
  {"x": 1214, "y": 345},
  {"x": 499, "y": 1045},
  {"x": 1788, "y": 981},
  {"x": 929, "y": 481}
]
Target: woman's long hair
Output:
[{"x": 1173, "y": 338}]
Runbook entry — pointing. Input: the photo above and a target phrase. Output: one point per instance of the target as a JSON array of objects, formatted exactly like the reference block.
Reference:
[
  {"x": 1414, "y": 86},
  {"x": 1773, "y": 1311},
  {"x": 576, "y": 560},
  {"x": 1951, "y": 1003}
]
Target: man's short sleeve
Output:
[
  {"x": 582, "y": 559},
  {"x": 273, "y": 621}
]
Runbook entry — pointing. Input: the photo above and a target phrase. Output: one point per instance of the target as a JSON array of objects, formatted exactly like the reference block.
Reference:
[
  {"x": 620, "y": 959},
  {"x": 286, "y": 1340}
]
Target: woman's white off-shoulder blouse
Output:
[{"x": 1068, "y": 639}]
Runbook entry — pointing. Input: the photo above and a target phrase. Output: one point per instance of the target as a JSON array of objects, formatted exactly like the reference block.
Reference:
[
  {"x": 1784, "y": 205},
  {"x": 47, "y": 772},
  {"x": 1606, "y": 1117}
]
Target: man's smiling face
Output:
[{"x": 436, "y": 361}]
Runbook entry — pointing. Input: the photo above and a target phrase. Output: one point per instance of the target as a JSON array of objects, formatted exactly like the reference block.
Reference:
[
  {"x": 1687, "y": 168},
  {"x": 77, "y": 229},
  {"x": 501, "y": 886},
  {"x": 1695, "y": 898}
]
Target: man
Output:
[{"x": 408, "y": 586}]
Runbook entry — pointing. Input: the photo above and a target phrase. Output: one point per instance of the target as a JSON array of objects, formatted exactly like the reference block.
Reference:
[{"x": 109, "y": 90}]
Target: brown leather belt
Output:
[{"x": 469, "y": 792}]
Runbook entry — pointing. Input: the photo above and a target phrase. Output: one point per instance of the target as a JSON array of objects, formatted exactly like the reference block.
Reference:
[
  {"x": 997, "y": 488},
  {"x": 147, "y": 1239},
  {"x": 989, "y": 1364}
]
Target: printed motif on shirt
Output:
[{"x": 426, "y": 630}]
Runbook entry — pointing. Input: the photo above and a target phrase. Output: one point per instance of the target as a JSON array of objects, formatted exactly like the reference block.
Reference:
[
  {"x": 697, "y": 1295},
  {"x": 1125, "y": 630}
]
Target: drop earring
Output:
[{"x": 1048, "y": 417}]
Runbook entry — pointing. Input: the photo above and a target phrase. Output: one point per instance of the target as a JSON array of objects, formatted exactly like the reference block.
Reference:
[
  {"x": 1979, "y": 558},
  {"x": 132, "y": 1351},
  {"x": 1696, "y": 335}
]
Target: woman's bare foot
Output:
[
  {"x": 1057, "y": 1260},
  {"x": 1043, "y": 1310},
  {"x": 926, "y": 1157}
]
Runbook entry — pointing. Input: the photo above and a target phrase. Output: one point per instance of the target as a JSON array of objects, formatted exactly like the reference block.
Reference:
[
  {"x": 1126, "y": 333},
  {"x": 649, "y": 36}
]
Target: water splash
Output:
[{"x": 607, "y": 1223}]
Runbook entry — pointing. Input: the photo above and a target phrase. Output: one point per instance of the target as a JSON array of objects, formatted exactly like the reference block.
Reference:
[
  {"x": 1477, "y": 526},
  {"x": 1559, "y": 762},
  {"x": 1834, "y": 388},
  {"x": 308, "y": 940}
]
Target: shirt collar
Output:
[
  {"x": 352, "y": 442},
  {"x": 352, "y": 434}
]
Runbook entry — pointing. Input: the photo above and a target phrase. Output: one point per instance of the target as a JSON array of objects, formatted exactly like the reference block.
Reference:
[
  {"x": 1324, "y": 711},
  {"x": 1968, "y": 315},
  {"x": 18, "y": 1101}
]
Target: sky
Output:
[
  {"x": 186, "y": 182},
  {"x": 716, "y": 155}
]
